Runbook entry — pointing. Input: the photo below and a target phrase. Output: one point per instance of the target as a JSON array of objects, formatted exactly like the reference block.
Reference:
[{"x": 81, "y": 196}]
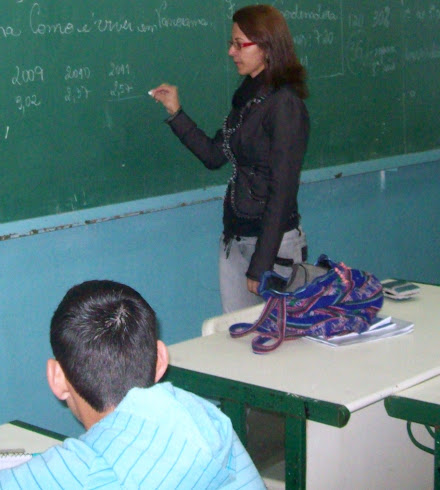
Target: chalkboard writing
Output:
[{"x": 78, "y": 130}]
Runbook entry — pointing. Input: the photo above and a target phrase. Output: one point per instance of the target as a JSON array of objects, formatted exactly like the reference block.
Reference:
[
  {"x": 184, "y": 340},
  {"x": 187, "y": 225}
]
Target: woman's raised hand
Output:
[{"x": 168, "y": 96}]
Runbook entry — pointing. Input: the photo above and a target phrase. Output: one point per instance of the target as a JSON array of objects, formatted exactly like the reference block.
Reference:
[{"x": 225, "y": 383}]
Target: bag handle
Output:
[
  {"x": 241, "y": 329},
  {"x": 264, "y": 343}
]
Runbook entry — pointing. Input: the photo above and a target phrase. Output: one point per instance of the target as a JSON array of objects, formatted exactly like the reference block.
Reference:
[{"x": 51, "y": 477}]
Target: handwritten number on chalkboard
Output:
[
  {"x": 76, "y": 94},
  {"x": 117, "y": 70},
  {"x": 81, "y": 73},
  {"x": 120, "y": 89},
  {"x": 28, "y": 75},
  {"x": 382, "y": 17},
  {"x": 26, "y": 102}
]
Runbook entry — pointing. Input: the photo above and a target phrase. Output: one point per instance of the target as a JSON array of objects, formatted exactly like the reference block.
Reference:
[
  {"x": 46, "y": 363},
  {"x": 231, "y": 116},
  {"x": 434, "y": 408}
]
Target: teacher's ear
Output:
[
  {"x": 57, "y": 379},
  {"x": 162, "y": 360}
]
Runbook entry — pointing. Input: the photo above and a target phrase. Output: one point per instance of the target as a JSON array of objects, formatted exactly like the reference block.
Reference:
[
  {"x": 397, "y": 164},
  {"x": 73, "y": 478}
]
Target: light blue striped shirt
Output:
[{"x": 160, "y": 437}]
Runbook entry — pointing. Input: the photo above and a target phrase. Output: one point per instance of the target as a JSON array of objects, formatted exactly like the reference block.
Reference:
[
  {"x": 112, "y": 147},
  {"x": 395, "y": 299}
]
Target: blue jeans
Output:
[{"x": 232, "y": 269}]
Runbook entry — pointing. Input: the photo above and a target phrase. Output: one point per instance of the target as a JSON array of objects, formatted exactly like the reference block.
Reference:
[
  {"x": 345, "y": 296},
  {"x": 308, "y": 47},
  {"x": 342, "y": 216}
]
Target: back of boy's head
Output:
[{"x": 104, "y": 336}]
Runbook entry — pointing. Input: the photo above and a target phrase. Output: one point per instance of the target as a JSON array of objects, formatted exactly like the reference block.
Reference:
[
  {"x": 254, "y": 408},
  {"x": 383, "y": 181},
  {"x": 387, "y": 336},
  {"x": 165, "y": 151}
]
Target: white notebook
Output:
[
  {"x": 381, "y": 329},
  {"x": 11, "y": 459}
]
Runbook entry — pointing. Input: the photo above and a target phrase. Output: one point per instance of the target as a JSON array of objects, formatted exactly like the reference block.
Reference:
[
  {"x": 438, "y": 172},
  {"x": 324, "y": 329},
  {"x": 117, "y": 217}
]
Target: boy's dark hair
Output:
[{"x": 104, "y": 336}]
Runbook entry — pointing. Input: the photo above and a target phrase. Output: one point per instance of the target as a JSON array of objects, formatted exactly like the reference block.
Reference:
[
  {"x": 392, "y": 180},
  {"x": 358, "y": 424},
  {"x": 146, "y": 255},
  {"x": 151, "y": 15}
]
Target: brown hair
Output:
[{"x": 266, "y": 26}]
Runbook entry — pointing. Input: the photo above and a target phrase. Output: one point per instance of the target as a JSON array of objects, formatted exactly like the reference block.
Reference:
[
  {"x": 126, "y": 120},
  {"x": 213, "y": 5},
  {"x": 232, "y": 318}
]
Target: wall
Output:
[{"x": 385, "y": 221}]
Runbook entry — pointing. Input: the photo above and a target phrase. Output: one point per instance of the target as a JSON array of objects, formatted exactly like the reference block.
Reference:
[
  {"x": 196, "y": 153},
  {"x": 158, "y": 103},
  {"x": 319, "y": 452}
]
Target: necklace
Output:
[{"x": 227, "y": 150}]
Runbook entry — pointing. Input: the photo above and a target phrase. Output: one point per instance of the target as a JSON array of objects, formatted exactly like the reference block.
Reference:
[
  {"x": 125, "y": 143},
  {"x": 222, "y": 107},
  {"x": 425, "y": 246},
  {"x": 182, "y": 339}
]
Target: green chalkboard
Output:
[{"x": 78, "y": 130}]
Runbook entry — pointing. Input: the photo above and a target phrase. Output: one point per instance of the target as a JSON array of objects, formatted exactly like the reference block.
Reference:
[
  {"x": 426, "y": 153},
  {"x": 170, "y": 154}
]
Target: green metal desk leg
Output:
[
  {"x": 437, "y": 459},
  {"x": 236, "y": 411},
  {"x": 295, "y": 452}
]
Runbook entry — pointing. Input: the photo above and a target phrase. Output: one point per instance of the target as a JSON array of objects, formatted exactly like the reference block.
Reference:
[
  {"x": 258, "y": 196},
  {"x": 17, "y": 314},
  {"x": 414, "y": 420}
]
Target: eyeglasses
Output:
[{"x": 239, "y": 45}]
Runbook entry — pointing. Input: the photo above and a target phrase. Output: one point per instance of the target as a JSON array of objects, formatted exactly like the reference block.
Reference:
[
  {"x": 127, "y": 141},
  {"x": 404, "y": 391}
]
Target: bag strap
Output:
[
  {"x": 292, "y": 277},
  {"x": 264, "y": 343},
  {"x": 241, "y": 329}
]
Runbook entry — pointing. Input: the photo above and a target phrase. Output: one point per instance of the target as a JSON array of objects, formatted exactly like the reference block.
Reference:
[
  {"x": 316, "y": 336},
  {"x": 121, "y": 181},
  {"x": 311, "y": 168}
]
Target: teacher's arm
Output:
[
  {"x": 287, "y": 124},
  {"x": 208, "y": 150},
  {"x": 168, "y": 95}
]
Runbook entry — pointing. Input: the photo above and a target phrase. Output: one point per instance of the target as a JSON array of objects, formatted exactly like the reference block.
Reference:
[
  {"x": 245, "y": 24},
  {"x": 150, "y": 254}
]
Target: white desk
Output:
[
  {"x": 305, "y": 380},
  {"x": 29, "y": 437},
  {"x": 420, "y": 404}
]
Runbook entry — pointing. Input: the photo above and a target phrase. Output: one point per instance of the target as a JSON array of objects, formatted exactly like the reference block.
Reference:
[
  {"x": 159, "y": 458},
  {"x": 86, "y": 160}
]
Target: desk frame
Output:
[
  {"x": 236, "y": 396},
  {"x": 420, "y": 412},
  {"x": 39, "y": 430}
]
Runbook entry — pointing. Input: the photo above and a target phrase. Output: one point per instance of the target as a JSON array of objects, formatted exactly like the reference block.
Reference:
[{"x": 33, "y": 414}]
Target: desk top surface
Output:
[
  {"x": 426, "y": 392},
  {"x": 354, "y": 376},
  {"x": 32, "y": 441},
  {"x": 419, "y": 403}
]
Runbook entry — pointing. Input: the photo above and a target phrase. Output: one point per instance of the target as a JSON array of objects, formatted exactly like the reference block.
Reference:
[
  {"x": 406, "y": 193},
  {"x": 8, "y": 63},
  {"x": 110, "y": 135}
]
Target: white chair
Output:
[
  {"x": 223, "y": 322},
  {"x": 273, "y": 476}
]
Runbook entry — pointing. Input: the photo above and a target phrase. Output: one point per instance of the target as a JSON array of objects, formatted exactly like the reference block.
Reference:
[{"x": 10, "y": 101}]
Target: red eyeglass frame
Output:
[{"x": 242, "y": 45}]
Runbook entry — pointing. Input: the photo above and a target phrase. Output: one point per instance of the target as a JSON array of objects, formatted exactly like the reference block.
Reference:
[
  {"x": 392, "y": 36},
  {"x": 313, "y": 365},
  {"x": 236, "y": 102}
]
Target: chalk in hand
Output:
[{"x": 150, "y": 92}]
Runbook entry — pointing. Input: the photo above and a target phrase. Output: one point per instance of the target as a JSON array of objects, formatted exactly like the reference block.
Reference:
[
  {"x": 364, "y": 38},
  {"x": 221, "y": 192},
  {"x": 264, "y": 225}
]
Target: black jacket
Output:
[{"x": 269, "y": 146}]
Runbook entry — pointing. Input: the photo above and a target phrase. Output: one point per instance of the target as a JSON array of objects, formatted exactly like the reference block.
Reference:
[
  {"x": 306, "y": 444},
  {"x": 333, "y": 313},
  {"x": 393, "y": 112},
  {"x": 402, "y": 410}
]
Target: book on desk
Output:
[
  {"x": 13, "y": 457},
  {"x": 381, "y": 328},
  {"x": 20, "y": 441}
]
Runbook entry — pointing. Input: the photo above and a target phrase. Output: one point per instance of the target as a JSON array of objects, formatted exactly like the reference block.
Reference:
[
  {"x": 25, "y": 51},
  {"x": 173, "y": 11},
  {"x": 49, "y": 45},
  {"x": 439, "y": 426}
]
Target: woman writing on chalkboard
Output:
[{"x": 265, "y": 138}]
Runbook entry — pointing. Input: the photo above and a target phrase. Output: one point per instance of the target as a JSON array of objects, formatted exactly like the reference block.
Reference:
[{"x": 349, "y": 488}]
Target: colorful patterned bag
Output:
[{"x": 340, "y": 300}]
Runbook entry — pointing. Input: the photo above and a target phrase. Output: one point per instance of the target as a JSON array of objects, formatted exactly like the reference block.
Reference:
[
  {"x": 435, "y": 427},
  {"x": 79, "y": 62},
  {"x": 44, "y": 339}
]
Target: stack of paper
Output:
[
  {"x": 399, "y": 289},
  {"x": 11, "y": 459},
  {"x": 381, "y": 328}
]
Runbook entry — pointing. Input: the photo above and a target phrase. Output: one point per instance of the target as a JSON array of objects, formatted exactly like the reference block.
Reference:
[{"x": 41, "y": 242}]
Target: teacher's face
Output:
[{"x": 249, "y": 59}]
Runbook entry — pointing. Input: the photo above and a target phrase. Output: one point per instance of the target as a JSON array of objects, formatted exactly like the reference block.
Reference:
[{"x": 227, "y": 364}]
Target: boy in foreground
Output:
[{"x": 139, "y": 434}]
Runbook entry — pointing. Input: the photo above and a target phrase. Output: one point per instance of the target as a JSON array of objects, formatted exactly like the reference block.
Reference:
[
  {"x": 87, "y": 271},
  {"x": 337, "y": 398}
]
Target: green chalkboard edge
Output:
[{"x": 50, "y": 223}]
